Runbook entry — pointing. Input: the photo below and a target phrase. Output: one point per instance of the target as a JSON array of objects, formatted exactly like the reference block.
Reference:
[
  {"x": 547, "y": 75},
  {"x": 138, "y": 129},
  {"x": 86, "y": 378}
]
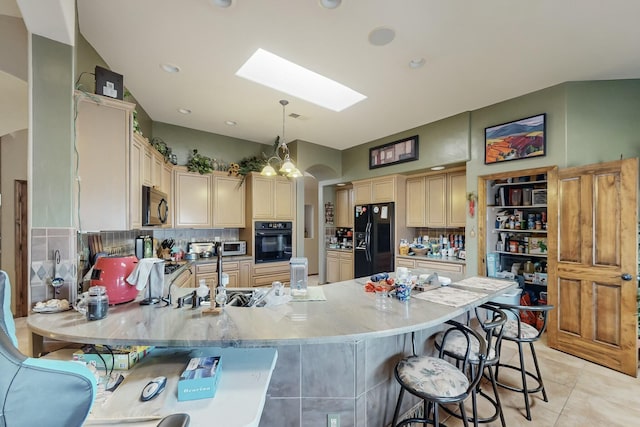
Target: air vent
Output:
[{"x": 294, "y": 115}]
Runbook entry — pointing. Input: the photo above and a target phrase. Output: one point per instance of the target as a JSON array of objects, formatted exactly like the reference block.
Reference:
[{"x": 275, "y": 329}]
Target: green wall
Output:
[
  {"x": 86, "y": 60},
  {"x": 603, "y": 121},
  {"x": 53, "y": 166},
  {"x": 182, "y": 140},
  {"x": 444, "y": 142}
]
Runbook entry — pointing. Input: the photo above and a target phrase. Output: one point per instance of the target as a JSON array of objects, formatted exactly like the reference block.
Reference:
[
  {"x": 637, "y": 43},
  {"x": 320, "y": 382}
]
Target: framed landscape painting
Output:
[{"x": 520, "y": 139}]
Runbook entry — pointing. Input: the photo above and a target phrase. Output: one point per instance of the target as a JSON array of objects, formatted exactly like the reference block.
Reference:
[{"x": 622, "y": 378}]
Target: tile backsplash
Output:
[{"x": 44, "y": 244}]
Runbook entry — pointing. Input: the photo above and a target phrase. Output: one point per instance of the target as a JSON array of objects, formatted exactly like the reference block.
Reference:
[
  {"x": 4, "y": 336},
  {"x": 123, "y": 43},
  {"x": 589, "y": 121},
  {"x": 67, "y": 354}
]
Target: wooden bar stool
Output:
[
  {"x": 520, "y": 332},
  {"x": 491, "y": 320},
  {"x": 438, "y": 382}
]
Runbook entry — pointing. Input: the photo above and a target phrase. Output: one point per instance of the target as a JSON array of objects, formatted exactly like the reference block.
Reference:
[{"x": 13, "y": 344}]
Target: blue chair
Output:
[
  {"x": 38, "y": 391},
  {"x": 44, "y": 392}
]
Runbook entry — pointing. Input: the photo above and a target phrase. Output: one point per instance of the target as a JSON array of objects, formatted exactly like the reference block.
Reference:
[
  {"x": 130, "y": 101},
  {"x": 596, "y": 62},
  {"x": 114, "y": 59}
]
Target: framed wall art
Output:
[
  {"x": 404, "y": 150},
  {"x": 520, "y": 139}
]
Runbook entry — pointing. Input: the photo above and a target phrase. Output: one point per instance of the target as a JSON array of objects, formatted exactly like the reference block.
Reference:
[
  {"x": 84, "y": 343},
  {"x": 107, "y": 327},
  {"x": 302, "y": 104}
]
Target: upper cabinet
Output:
[
  {"x": 436, "y": 200},
  {"x": 377, "y": 190},
  {"x": 136, "y": 159},
  {"x": 271, "y": 198},
  {"x": 192, "y": 203},
  {"x": 103, "y": 137},
  {"x": 228, "y": 201},
  {"x": 344, "y": 208}
]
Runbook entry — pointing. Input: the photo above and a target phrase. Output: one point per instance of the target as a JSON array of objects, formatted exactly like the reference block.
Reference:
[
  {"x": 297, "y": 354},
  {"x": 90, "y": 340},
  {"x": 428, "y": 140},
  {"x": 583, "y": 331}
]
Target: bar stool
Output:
[
  {"x": 520, "y": 332},
  {"x": 438, "y": 382},
  {"x": 492, "y": 320}
]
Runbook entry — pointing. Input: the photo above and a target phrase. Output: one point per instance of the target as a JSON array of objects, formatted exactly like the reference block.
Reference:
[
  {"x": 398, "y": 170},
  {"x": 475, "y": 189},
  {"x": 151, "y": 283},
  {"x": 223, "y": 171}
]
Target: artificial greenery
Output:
[
  {"x": 256, "y": 163},
  {"x": 199, "y": 163},
  {"x": 162, "y": 148}
]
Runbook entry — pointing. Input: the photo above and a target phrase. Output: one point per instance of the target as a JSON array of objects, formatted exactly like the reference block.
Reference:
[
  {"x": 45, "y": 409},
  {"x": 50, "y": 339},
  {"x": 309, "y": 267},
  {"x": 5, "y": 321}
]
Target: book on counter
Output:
[{"x": 200, "y": 378}]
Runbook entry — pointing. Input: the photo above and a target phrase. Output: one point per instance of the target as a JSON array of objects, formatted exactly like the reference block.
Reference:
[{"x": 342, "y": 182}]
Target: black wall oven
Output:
[{"x": 272, "y": 241}]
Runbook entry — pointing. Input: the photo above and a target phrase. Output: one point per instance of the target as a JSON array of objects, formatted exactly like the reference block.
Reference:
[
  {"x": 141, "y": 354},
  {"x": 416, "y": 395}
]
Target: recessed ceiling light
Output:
[
  {"x": 342, "y": 184},
  {"x": 330, "y": 4},
  {"x": 437, "y": 168},
  {"x": 280, "y": 74},
  {"x": 184, "y": 111},
  {"x": 221, "y": 3},
  {"x": 170, "y": 68},
  {"x": 230, "y": 123},
  {"x": 416, "y": 63},
  {"x": 381, "y": 36}
]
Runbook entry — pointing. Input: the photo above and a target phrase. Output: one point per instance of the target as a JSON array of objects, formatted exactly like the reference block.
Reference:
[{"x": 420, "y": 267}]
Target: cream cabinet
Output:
[
  {"x": 185, "y": 279},
  {"x": 136, "y": 153},
  {"x": 339, "y": 266},
  {"x": 267, "y": 273},
  {"x": 426, "y": 264},
  {"x": 147, "y": 165},
  {"x": 103, "y": 138},
  {"x": 192, "y": 203},
  {"x": 166, "y": 178},
  {"x": 228, "y": 201},
  {"x": 272, "y": 198},
  {"x": 437, "y": 200},
  {"x": 157, "y": 163},
  {"x": 416, "y": 196},
  {"x": 457, "y": 199},
  {"x": 377, "y": 190},
  {"x": 344, "y": 208}
]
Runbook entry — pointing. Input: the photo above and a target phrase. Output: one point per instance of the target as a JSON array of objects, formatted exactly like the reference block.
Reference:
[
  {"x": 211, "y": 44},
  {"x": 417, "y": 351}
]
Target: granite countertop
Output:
[
  {"x": 447, "y": 259},
  {"x": 348, "y": 314}
]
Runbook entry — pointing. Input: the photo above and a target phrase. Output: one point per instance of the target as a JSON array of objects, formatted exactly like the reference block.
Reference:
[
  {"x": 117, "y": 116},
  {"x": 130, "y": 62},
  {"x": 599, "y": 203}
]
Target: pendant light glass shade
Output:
[
  {"x": 268, "y": 170},
  {"x": 287, "y": 166}
]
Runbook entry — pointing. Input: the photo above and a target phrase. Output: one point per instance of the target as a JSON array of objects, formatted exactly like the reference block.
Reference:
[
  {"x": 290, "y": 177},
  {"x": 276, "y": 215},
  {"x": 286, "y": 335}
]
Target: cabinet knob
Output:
[{"x": 626, "y": 276}]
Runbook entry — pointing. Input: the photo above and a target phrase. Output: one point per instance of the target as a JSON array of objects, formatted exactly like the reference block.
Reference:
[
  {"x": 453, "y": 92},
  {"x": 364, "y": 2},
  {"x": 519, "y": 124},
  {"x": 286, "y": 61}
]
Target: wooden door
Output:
[
  {"x": 228, "y": 202},
  {"x": 436, "y": 187},
  {"x": 193, "y": 200},
  {"x": 285, "y": 200},
  {"x": 457, "y": 199},
  {"x": 595, "y": 286},
  {"x": 415, "y": 204},
  {"x": 21, "y": 241}
]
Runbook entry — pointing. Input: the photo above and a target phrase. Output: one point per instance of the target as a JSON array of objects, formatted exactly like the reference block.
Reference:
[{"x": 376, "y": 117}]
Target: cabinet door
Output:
[
  {"x": 147, "y": 166},
  {"x": 333, "y": 267},
  {"x": 343, "y": 209},
  {"x": 156, "y": 169},
  {"x": 457, "y": 199},
  {"x": 193, "y": 200},
  {"x": 346, "y": 266},
  {"x": 361, "y": 192},
  {"x": 403, "y": 262},
  {"x": 135, "y": 184},
  {"x": 228, "y": 202},
  {"x": 244, "y": 278},
  {"x": 165, "y": 180},
  {"x": 262, "y": 196},
  {"x": 285, "y": 199},
  {"x": 383, "y": 190},
  {"x": 234, "y": 279},
  {"x": 436, "y": 186},
  {"x": 415, "y": 209},
  {"x": 185, "y": 279},
  {"x": 103, "y": 142}
]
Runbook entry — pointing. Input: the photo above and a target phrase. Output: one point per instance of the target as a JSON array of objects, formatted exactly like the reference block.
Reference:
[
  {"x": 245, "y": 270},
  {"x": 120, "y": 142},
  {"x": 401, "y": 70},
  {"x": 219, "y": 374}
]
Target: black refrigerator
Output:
[{"x": 373, "y": 239}]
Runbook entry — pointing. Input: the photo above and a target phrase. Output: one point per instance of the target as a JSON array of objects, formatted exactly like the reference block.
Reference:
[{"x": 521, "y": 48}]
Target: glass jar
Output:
[{"x": 97, "y": 303}]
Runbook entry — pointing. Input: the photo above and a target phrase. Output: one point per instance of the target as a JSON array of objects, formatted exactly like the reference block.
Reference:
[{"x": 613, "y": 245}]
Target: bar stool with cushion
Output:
[
  {"x": 491, "y": 320},
  {"x": 438, "y": 382},
  {"x": 520, "y": 332}
]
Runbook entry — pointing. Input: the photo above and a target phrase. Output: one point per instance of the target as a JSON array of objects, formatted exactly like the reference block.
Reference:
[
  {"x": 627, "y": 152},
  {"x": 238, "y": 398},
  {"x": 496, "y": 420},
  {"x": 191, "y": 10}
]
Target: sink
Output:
[{"x": 239, "y": 297}]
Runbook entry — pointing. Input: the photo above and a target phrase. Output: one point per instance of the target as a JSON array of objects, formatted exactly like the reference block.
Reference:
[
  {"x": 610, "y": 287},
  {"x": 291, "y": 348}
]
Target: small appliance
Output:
[
  {"x": 112, "y": 272},
  {"x": 155, "y": 206},
  {"x": 236, "y": 247}
]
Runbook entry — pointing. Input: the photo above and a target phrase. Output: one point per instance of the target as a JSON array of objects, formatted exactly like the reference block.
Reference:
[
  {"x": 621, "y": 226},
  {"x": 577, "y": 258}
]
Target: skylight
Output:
[{"x": 280, "y": 74}]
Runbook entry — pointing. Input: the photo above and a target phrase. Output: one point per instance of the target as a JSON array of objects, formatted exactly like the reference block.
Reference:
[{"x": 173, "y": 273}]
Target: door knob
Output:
[{"x": 626, "y": 276}]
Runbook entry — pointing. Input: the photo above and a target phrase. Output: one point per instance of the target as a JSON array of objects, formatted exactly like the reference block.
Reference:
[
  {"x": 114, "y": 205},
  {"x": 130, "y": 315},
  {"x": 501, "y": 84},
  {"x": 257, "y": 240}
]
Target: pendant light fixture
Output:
[{"x": 286, "y": 165}]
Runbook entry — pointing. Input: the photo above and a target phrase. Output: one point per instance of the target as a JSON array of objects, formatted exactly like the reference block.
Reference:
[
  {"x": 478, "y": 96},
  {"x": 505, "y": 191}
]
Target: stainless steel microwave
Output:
[{"x": 155, "y": 206}]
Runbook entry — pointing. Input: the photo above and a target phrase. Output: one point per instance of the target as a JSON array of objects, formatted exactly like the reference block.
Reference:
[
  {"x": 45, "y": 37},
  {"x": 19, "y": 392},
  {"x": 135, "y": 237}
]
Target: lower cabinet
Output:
[
  {"x": 239, "y": 273},
  {"x": 437, "y": 266},
  {"x": 185, "y": 279},
  {"x": 265, "y": 274},
  {"x": 339, "y": 266}
]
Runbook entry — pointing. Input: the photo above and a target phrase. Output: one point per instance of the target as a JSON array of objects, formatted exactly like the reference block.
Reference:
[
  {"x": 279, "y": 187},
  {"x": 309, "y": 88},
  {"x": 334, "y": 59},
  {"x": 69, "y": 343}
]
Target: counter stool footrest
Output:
[{"x": 538, "y": 388}]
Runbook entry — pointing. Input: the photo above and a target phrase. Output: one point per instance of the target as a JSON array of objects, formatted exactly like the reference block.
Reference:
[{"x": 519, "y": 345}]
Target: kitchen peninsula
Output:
[{"x": 334, "y": 356}]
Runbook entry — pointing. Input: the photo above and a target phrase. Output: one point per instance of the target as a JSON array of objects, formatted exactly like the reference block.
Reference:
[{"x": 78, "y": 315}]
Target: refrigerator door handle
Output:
[{"x": 367, "y": 240}]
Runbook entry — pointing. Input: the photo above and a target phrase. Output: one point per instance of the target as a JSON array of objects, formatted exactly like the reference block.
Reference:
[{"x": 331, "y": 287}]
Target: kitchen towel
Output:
[{"x": 148, "y": 270}]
